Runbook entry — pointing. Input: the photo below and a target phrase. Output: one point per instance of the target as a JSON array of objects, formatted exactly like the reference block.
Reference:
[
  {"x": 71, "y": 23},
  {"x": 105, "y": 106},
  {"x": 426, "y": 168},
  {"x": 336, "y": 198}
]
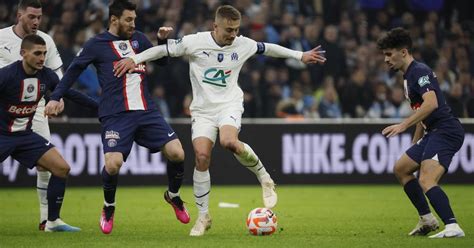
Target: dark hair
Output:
[
  {"x": 30, "y": 40},
  {"x": 396, "y": 38},
  {"x": 23, "y": 4},
  {"x": 117, "y": 7},
  {"x": 228, "y": 12}
]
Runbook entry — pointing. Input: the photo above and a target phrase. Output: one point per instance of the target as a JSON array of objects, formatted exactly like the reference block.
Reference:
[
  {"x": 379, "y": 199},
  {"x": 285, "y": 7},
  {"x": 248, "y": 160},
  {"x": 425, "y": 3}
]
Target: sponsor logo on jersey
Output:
[
  {"x": 176, "y": 42},
  {"x": 22, "y": 110},
  {"x": 42, "y": 87},
  {"x": 140, "y": 68},
  {"x": 30, "y": 88},
  {"x": 112, "y": 142},
  {"x": 216, "y": 77},
  {"x": 8, "y": 49},
  {"x": 112, "y": 135}
]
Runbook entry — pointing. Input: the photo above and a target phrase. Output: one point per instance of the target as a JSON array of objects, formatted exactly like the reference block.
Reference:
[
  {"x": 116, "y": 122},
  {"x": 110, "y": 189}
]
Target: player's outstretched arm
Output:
[
  {"x": 129, "y": 64},
  {"x": 313, "y": 56}
]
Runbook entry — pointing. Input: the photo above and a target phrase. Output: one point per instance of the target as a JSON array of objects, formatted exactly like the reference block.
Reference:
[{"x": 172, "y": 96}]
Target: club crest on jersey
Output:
[
  {"x": 234, "y": 57},
  {"x": 112, "y": 142},
  {"x": 123, "y": 46},
  {"x": 220, "y": 57},
  {"x": 30, "y": 88},
  {"x": 424, "y": 80},
  {"x": 135, "y": 44}
]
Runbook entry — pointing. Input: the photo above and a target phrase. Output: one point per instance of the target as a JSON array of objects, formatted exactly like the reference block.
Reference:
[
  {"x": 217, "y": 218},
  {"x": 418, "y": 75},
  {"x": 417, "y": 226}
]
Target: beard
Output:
[
  {"x": 124, "y": 33},
  {"x": 27, "y": 29}
]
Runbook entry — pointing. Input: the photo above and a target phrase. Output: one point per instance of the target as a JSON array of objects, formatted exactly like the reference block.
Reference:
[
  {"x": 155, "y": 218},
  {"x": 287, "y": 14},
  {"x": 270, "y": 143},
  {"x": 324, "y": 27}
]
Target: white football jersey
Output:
[
  {"x": 10, "y": 45},
  {"x": 213, "y": 70}
]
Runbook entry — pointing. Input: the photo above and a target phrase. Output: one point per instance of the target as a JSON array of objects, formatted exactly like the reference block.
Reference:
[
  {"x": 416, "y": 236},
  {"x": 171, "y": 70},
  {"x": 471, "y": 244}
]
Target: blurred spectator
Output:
[
  {"x": 328, "y": 106},
  {"x": 400, "y": 107},
  {"x": 292, "y": 107},
  {"x": 381, "y": 106},
  {"x": 357, "y": 95},
  {"x": 158, "y": 96},
  {"x": 442, "y": 32},
  {"x": 455, "y": 100}
]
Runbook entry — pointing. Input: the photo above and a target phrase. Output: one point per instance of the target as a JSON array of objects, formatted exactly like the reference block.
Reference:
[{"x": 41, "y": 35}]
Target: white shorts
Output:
[
  {"x": 40, "y": 122},
  {"x": 207, "y": 125}
]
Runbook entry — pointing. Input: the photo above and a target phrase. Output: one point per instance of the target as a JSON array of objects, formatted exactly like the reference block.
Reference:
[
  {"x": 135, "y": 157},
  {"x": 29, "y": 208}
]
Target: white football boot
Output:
[
  {"x": 270, "y": 197},
  {"x": 450, "y": 231},
  {"x": 426, "y": 224},
  {"x": 203, "y": 223}
]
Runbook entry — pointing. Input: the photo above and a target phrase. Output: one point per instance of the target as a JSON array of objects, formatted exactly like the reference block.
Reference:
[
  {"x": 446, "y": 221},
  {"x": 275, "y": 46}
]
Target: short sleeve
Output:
[
  {"x": 424, "y": 81},
  {"x": 179, "y": 47},
  {"x": 53, "y": 58},
  {"x": 251, "y": 47}
]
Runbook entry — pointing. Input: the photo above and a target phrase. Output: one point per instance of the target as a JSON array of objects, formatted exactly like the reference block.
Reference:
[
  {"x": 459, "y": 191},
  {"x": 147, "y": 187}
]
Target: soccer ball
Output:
[{"x": 262, "y": 221}]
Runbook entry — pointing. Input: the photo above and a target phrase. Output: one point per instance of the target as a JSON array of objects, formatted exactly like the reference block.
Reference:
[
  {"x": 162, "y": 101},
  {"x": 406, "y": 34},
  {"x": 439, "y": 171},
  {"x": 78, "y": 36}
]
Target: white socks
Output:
[
  {"x": 42, "y": 181},
  {"x": 109, "y": 204},
  {"x": 202, "y": 188},
  {"x": 172, "y": 195},
  {"x": 250, "y": 160}
]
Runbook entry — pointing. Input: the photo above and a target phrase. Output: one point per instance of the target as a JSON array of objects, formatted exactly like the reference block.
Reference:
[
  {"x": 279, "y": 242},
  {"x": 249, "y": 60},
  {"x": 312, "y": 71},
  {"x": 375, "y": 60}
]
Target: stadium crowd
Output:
[{"x": 354, "y": 82}]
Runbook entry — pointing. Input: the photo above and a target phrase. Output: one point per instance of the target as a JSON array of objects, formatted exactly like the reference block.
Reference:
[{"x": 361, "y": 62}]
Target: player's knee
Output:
[
  {"x": 177, "y": 155},
  {"x": 202, "y": 160},
  {"x": 62, "y": 170},
  {"x": 426, "y": 182},
  {"x": 398, "y": 171},
  {"x": 229, "y": 144},
  {"x": 112, "y": 165}
]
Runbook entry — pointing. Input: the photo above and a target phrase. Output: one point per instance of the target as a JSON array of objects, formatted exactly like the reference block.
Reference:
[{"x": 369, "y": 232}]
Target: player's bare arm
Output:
[
  {"x": 418, "y": 134},
  {"x": 430, "y": 103}
]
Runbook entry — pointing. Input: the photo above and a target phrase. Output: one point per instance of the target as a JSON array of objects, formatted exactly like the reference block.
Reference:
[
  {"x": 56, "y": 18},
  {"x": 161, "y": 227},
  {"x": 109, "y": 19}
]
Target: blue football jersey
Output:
[
  {"x": 126, "y": 93},
  {"x": 419, "y": 79},
  {"x": 20, "y": 94}
]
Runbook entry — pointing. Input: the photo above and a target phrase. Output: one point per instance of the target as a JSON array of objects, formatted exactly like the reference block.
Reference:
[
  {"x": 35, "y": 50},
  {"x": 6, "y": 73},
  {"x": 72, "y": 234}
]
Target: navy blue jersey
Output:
[
  {"x": 20, "y": 94},
  {"x": 119, "y": 94},
  {"x": 419, "y": 79}
]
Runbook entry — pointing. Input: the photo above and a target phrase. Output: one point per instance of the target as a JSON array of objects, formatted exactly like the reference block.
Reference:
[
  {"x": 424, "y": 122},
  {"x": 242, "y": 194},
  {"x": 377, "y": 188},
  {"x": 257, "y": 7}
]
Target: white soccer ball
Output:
[{"x": 262, "y": 221}]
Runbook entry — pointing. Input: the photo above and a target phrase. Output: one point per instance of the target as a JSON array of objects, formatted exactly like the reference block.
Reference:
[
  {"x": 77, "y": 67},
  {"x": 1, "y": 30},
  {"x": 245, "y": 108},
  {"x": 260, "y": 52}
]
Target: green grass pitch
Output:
[{"x": 308, "y": 216}]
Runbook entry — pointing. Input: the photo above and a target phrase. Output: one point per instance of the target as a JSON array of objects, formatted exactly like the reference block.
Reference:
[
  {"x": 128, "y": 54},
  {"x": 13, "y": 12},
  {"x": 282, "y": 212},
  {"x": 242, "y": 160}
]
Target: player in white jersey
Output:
[
  {"x": 215, "y": 61},
  {"x": 29, "y": 18}
]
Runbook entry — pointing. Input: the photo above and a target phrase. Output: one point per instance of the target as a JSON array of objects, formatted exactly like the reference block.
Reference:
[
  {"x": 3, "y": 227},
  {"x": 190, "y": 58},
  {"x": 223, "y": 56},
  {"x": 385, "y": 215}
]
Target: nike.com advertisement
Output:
[{"x": 291, "y": 153}]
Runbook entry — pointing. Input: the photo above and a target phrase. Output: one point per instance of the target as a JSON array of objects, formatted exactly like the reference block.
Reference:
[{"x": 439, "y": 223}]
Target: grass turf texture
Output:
[{"x": 308, "y": 216}]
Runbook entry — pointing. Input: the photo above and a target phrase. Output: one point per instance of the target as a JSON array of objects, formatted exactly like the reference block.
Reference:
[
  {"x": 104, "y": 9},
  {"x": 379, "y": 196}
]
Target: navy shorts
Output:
[
  {"x": 26, "y": 148},
  {"x": 439, "y": 144},
  {"x": 147, "y": 128}
]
